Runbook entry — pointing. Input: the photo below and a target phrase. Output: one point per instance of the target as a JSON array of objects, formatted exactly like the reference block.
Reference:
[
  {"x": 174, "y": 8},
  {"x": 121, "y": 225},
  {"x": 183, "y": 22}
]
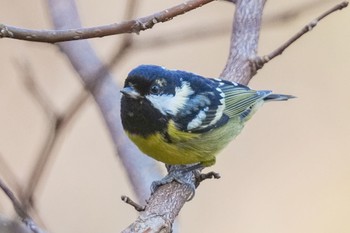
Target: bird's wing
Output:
[
  {"x": 211, "y": 109},
  {"x": 201, "y": 112},
  {"x": 239, "y": 99}
]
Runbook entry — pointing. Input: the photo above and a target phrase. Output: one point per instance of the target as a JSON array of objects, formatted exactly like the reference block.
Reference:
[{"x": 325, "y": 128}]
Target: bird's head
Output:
[{"x": 164, "y": 89}]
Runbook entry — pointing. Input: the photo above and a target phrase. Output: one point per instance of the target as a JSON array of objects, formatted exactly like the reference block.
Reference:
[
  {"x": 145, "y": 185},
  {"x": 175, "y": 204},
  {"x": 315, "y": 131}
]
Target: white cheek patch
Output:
[{"x": 171, "y": 104}]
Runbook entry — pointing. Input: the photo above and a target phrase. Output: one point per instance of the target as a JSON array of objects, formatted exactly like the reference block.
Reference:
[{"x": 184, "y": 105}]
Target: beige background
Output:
[{"x": 289, "y": 171}]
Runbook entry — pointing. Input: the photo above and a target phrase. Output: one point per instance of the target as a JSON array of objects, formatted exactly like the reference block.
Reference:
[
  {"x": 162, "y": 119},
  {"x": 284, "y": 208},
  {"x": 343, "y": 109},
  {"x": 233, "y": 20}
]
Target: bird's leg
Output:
[{"x": 179, "y": 175}]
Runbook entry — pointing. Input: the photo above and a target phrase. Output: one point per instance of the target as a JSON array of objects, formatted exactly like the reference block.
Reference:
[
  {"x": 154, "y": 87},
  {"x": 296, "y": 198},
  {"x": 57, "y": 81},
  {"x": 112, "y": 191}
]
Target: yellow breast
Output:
[{"x": 186, "y": 147}]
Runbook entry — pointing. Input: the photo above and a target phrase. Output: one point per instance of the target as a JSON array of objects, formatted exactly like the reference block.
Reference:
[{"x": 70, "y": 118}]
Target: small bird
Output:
[{"x": 178, "y": 117}]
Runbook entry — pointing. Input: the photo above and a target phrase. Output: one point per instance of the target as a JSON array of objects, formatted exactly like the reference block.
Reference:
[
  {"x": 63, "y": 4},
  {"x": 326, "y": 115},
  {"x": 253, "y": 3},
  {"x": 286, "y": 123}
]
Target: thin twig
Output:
[
  {"x": 259, "y": 62},
  {"x": 137, "y": 207},
  {"x": 130, "y": 26},
  {"x": 21, "y": 212}
]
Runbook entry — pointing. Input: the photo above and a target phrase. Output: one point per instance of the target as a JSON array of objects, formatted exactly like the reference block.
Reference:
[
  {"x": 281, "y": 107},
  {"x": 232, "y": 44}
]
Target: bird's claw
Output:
[{"x": 178, "y": 175}]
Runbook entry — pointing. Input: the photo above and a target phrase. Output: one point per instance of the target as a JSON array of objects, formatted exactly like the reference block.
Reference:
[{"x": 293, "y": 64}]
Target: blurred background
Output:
[{"x": 289, "y": 170}]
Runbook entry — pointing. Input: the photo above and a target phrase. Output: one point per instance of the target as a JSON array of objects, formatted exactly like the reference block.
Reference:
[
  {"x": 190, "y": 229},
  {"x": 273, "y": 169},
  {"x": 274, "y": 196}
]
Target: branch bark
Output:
[{"x": 244, "y": 41}]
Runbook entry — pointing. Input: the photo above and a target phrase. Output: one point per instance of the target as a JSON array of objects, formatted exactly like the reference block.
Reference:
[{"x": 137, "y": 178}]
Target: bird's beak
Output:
[{"x": 130, "y": 92}]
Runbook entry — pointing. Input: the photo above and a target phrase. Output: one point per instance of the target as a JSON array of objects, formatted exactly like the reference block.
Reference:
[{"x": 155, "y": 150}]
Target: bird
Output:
[{"x": 181, "y": 118}]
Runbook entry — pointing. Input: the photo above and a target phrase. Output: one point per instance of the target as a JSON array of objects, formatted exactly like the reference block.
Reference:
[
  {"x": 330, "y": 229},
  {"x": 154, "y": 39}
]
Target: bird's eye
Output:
[{"x": 155, "y": 89}]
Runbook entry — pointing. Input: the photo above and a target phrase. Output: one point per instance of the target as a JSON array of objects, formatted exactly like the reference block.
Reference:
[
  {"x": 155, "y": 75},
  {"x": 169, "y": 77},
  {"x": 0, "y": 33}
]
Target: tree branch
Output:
[
  {"x": 162, "y": 208},
  {"x": 244, "y": 40},
  {"x": 130, "y": 26}
]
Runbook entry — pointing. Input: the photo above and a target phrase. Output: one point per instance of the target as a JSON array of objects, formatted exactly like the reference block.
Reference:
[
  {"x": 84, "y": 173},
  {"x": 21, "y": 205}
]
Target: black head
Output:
[{"x": 151, "y": 79}]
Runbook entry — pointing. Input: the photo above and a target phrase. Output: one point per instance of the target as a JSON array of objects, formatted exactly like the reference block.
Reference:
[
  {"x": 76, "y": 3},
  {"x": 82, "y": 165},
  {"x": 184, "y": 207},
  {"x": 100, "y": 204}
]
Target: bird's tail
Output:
[{"x": 278, "y": 97}]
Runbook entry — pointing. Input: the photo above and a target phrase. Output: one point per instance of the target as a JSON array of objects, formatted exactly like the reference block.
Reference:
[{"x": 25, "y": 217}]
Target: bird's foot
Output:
[{"x": 181, "y": 175}]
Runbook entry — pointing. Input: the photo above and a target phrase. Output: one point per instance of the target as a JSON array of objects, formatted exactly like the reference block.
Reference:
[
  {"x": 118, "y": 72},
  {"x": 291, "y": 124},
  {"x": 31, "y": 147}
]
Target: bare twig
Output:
[
  {"x": 259, "y": 62},
  {"x": 137, "y": 207},
  {"x": 21, "y": 212},
  {"x": 130, "y": 26}
]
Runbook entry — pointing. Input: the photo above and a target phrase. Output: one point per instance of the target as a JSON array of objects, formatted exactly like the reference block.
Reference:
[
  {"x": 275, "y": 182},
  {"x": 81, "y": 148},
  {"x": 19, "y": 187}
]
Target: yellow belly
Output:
[{"x": 188, "y": 148}]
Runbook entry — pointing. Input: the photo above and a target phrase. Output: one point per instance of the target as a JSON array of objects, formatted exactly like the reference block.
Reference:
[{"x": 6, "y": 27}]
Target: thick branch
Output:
[
  {"x": 130, "y": 26},
  {"x": 162, "y": 208},
  {"x": 244, "y": 40}
]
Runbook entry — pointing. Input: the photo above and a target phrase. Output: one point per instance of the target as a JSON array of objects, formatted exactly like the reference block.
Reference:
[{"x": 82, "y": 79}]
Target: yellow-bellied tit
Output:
[{"x": 178, "y": 117}]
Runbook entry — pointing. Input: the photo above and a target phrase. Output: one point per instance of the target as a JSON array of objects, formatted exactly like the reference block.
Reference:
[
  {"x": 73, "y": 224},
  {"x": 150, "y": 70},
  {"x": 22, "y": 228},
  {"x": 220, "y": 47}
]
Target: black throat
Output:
[{"x": 140, "y": 117}]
